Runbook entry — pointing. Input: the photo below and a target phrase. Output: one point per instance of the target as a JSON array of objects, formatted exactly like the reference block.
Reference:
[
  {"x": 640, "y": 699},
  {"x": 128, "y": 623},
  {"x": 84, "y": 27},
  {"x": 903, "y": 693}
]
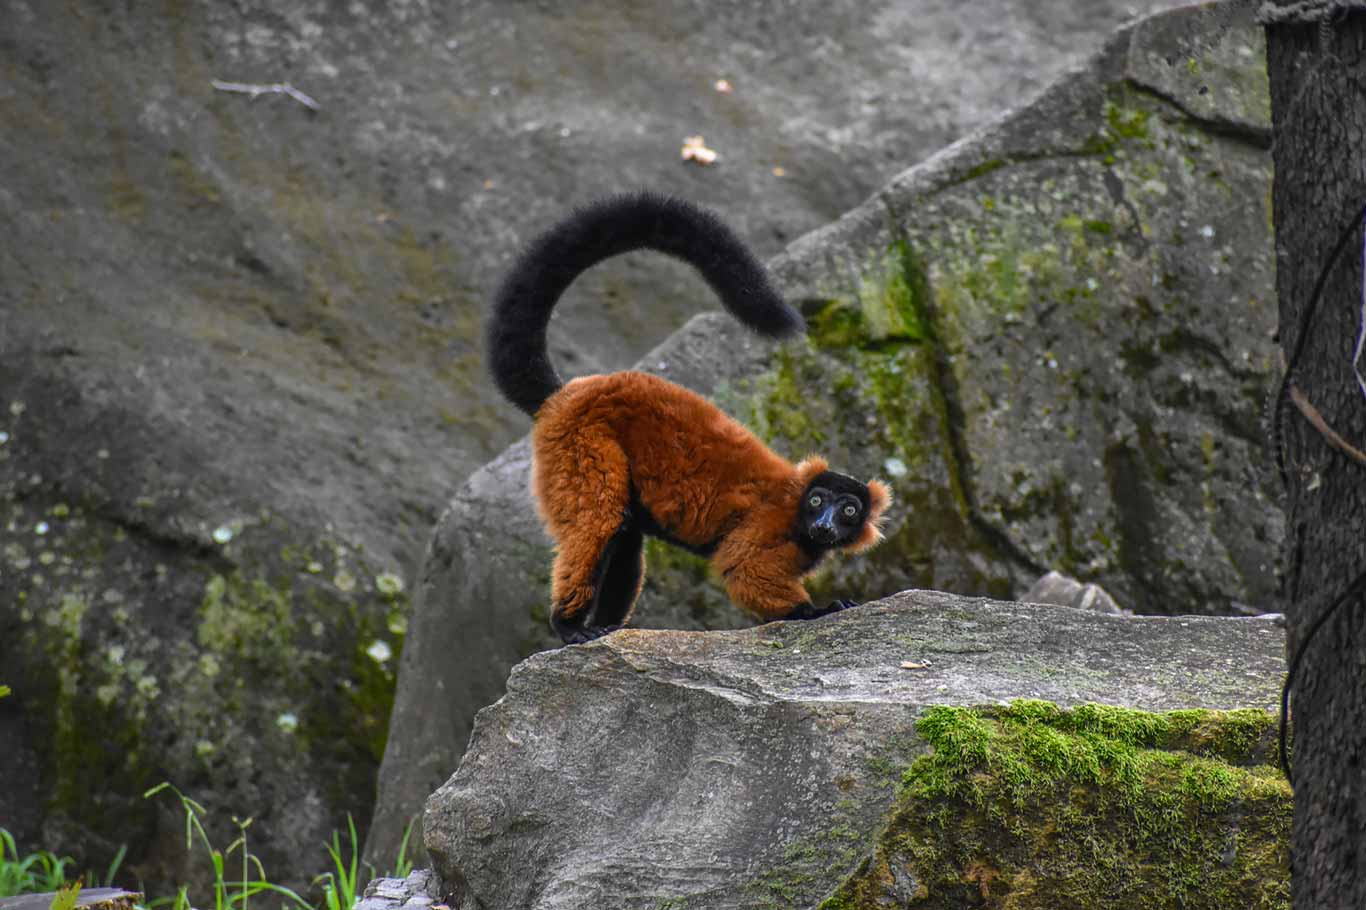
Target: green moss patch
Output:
[
  {"x": 889, "y": 307},
  {"x": 1034, "y": 806}
]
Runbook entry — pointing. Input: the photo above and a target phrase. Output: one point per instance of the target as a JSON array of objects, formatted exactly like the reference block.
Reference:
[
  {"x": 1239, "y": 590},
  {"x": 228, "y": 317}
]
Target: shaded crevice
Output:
[
  {"x": 1258, "y": 138},
  {"x": 945, "y": 393},
  {"x": 960, "y": 175},
  {"x": 163, "y": 539},
  {"x": 140, "y": 527},
  {"x": 1100, "y": 144},
  {"x": 1181, "y": 339},
  {"x": 1119, "y": 194},
  {"x": 1137, "y": 516}
]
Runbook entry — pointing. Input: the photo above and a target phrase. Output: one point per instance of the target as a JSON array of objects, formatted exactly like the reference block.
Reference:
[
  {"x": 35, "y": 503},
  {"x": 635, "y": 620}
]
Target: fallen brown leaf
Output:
[{"x": 695, "y": 149}]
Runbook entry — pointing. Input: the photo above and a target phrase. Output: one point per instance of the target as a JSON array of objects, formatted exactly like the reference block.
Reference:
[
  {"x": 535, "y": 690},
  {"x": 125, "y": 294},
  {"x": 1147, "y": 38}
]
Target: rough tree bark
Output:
[{"x": 1317, "y": 72}]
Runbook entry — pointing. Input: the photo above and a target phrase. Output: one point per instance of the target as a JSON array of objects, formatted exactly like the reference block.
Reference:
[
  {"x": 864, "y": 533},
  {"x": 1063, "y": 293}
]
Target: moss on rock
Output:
[
  {"x": 244, "y": 661},
  {"x": 1034, "y": 806}
]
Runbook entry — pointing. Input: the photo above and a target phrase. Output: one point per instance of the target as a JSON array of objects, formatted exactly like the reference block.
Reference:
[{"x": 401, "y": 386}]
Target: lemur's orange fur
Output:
[{"x": 601, "y": 441}]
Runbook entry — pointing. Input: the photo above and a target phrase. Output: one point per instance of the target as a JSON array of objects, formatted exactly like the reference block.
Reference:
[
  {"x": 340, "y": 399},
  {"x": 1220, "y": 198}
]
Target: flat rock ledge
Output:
[{"x": 756, "y": 768}]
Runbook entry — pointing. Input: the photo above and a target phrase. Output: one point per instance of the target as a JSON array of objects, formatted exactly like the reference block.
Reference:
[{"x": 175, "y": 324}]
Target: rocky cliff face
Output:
[
  {"x": 1053, "y": 338},
  {"x": 787, "y": 764}
]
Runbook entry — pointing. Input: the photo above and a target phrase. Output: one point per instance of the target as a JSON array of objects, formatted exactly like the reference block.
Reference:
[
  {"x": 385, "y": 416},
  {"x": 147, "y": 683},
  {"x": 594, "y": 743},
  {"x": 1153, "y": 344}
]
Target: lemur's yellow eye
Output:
[
  {"x": 850, "y": 511},
  {"x": 814, "y": 502}
]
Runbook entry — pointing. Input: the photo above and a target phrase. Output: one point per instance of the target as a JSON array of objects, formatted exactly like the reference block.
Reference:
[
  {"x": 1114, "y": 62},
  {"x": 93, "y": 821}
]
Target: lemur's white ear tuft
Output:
[{"x": 879, "y": 500}]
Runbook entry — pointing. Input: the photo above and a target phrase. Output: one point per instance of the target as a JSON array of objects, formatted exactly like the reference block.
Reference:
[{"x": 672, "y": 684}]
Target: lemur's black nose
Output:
[{"x": 823, "y": 530}]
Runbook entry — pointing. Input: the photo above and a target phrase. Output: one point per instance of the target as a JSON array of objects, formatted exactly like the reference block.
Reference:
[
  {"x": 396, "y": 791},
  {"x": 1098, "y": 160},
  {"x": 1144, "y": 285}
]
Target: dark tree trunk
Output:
[{"x": 1318, "y": 102}]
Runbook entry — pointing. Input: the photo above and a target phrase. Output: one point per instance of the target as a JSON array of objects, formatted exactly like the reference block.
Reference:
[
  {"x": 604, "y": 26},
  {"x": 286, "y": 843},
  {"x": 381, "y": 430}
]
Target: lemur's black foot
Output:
[
  {"x": 811, "y": 611},
  {"x": 594, "y": 632},
  {"x": 572, "y": 633}
]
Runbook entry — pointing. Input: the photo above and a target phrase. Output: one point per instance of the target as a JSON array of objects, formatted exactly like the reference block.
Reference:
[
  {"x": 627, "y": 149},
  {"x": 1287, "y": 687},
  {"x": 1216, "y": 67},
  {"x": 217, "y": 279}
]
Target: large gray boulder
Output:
[
  {"x": 756, "y": 768},
  {"x": 239, "y": 362},
  {"x": 1053, "y": 338}
]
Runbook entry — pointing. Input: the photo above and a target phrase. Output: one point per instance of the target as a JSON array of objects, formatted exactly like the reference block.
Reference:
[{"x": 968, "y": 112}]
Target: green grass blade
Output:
[
  {"x": 114, "y": 866},
  {"x": 403, "y": 866}
]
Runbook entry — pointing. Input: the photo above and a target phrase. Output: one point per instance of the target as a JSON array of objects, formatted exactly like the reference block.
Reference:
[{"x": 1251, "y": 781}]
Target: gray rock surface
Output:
[
  {"x": 416, "y": 892},
  {"x": 693, "y": 767},
  {"x": 1059, "y": 589},
  {"x": 1053, "y": 338},
  {"x": 222, "y": 316}
]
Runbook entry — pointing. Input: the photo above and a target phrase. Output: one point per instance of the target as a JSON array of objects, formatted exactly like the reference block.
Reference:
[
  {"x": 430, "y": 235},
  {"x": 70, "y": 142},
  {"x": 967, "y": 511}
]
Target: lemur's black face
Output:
[{"x": 833, "y": 510}]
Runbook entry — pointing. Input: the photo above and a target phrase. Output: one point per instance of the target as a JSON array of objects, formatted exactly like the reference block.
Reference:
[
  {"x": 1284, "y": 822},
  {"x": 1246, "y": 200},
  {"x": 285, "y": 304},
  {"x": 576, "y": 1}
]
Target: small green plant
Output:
[
  {"x": 38, "y": 872},
  {"x": 237, "y": 873},
  {"x": 42, "y": 871},
  {"x": 228, "y": 893},
  {"x": 339, "y": 885},
  {"x": 4, "y": 690},
  {"x": 66, "y": 896}
]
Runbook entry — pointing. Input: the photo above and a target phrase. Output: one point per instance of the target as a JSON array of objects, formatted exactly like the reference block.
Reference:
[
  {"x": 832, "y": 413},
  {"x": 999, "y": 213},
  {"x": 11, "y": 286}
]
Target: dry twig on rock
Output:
[{"x": 255, "y": 90}]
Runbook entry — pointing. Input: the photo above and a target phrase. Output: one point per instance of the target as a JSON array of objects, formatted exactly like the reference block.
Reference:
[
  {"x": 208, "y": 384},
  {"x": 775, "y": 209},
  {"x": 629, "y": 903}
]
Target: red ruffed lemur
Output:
[{"x": 622, "y": 455}]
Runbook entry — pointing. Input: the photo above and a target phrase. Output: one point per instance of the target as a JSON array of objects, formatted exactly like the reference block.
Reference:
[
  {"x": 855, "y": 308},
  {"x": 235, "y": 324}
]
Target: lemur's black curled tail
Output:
[{"x": 516, "y": 331}]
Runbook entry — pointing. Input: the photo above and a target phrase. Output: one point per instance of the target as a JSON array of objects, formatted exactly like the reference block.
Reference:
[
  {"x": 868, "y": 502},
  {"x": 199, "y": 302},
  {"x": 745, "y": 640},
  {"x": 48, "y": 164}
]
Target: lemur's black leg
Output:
[
  {"x": 621, "y": 580},
  {"x": 616, "y": 582}
]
